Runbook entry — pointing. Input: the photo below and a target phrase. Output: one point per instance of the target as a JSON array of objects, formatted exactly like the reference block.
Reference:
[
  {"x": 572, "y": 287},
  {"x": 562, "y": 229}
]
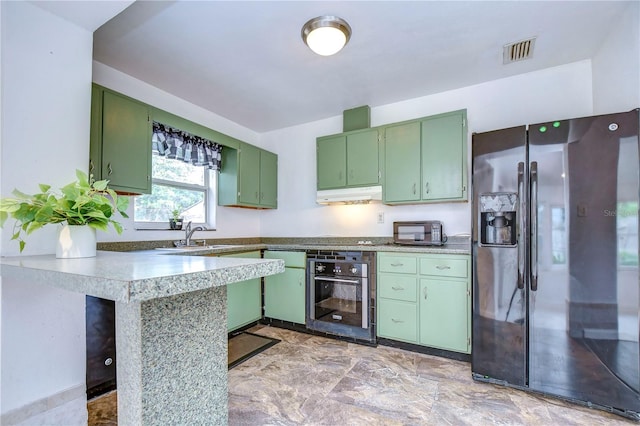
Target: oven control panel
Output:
[{"x": 343, "y": 269}]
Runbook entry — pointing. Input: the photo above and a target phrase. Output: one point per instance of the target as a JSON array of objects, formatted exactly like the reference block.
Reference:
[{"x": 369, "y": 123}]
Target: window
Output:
[{"x": 184, "y": 179}]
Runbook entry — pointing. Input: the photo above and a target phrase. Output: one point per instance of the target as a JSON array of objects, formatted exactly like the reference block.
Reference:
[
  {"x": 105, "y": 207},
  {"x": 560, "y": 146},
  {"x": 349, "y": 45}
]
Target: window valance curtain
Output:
[{"x": 177, "y": 144}]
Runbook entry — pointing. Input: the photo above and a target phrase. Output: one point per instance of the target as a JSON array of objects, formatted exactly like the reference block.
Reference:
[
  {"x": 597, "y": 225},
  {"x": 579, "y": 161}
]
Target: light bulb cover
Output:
[{"x": 326, "y": 35}]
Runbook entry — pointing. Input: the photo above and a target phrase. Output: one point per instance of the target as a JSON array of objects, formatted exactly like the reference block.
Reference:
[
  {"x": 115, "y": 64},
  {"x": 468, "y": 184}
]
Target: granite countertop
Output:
[
  {"x": 455, "y": 245},
  {"x": 444, "y": 249},
  {"x": 136, "y": 276}
]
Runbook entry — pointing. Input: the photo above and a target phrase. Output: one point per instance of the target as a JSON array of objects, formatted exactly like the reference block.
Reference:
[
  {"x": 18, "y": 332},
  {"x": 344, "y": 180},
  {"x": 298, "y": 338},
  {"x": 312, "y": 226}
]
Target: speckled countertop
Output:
[
  {"x": 136, "y": 276},
  {"x": 455, "y": 245}
]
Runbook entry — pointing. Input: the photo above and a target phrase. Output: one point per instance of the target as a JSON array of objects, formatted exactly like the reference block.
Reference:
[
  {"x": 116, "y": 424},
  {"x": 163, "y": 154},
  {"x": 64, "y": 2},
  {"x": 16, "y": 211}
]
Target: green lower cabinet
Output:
[
  {"x": 443, "y": 314},
  {"x": 425, "y": 299},
  {"x": 398, "y": 320},
  {"x": 244, "y": 298},
  {"x": 284, "y": 294}
]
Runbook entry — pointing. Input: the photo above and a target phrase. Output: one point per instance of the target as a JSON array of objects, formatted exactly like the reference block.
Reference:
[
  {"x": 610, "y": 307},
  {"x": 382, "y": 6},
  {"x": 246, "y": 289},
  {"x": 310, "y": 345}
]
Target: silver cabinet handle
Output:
[
  {"x": 424, "y": 291},
  {"x": 397, "y": 264},
  {"x": 109, "y": 169},
  {"x": 441, "y": 267},
  {"x": 396, "y": 321},
  {"x": 300, "y": 282},
  {"x": 414, "y": 188},
  {"x": 426, "y": 187},
  {"x": 397, "y": 288}
]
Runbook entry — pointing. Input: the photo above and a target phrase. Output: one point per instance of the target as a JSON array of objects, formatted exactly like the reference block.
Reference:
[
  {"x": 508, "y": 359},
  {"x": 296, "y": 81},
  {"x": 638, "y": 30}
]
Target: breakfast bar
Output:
[{"x": 171, "y": 331}]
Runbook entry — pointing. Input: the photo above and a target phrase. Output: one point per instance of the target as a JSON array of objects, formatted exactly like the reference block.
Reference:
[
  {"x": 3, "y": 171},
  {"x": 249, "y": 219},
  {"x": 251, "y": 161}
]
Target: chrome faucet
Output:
[{"x": 188, "y": 233}]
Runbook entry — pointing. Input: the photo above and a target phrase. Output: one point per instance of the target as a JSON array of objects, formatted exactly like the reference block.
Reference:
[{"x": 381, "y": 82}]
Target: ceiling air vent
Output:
[{"x": 518, "y": 51}]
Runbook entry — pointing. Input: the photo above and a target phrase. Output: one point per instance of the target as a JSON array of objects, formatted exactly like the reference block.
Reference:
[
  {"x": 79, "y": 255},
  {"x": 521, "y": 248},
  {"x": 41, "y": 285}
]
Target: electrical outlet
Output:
[{"x": 380, "y": 217}]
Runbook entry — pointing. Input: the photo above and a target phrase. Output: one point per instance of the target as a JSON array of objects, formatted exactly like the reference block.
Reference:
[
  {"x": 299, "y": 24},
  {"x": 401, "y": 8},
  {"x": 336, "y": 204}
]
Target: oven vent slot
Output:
[{"x": 518, "y": 51}]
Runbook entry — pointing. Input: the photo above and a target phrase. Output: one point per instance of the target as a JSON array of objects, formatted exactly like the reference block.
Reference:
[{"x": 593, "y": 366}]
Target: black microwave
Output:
[{"x": 419, "y": 233}]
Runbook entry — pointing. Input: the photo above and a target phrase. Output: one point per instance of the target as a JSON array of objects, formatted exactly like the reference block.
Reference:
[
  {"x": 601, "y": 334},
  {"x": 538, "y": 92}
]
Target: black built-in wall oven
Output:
[{"x": 341, "y": 294}]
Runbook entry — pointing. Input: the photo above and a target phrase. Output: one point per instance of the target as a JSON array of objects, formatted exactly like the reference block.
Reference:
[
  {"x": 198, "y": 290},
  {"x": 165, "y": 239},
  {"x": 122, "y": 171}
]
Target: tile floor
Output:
[{"x": 311, "y": 380}]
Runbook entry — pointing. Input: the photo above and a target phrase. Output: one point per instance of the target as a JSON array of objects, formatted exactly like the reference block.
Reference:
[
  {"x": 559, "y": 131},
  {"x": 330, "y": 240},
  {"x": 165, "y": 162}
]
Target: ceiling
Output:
[{"x": 246, "y": 61}]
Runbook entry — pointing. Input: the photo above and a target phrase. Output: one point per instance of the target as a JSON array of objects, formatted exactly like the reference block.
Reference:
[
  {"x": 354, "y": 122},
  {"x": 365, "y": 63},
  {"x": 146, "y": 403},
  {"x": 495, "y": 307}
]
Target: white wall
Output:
[
  {"x": 46, "y": 92},
  {"x": 616, "y": 67},
  {"x": 230, "y": 222},
  {"x": 554, "y": 93}
]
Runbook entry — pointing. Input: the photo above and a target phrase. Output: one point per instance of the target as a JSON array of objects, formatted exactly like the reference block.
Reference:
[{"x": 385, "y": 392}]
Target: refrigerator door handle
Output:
[
  {"x": 521, "y": 225},
  {"x": 534, "y": 225}
]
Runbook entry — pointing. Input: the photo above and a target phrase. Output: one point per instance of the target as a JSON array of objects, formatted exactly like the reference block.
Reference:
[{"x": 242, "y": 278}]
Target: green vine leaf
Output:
[{"x": 83, "y": 202}]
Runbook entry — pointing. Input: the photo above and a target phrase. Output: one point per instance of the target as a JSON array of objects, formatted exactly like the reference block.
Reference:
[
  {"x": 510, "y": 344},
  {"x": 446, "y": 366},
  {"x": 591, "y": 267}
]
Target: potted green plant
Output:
[
  {"x": 81, "y": 207},
  {"x": 175, "y": 222}
]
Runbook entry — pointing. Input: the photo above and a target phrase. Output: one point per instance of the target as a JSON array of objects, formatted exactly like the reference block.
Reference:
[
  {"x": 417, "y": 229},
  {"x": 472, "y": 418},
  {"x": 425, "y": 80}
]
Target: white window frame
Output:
[{"x": 210, "y": 201}]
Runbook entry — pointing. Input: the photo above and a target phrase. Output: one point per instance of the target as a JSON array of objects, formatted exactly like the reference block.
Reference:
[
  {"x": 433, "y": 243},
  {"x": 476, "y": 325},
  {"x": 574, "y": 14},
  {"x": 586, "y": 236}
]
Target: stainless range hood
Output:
[{"x": 363, "y": 194}]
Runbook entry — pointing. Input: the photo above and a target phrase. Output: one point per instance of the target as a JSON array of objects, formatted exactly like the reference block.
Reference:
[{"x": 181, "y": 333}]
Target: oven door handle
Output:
[{"x": 340, "y": 280}]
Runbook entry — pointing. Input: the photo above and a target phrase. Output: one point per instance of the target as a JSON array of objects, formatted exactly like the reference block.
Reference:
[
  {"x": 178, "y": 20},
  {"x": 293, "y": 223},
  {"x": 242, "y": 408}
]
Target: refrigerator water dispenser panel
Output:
[{"x": 498, "y": 219}]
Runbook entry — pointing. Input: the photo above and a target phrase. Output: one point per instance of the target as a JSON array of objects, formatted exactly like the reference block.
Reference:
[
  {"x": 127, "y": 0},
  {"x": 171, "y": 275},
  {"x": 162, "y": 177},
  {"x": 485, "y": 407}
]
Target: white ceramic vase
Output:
[{"x": 75, "y": 241}]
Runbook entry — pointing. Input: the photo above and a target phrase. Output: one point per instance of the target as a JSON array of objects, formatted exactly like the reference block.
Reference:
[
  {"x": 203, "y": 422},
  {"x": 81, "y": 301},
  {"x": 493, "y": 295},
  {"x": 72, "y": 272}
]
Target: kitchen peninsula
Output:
[{"x": 170, "y": 325}]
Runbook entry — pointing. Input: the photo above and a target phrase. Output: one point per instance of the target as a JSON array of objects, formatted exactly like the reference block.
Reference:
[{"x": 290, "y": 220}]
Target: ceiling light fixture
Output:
[{"x": 326, "y": 35}]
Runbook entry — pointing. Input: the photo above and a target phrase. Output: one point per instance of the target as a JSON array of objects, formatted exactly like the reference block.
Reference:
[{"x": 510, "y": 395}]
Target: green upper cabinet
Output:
[
  {"x": 426, "y": 160},
  {"x": 120, "y": 148},
  {"x": 362, "y": 158},
  {"x": 249, "y": 174},
  {"x": 348, "y": 160},
  {"x": 444, "y": 165},
  {"x": 331, "y": 161},
  {"x": 249, "y": 178},
  {"x": 268, "y": 179},
  {"x": 402, "y": 163}
]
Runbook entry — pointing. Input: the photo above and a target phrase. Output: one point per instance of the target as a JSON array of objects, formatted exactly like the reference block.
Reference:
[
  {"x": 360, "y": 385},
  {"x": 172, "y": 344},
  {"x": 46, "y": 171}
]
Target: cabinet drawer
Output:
[
  {"x": 397, "y": 287},
  {"x": 292, "y": 259},
  {"x": 444, "y": 267},
  {"x": 397, "y": 320},
  {"x": 398, "y": 264}
]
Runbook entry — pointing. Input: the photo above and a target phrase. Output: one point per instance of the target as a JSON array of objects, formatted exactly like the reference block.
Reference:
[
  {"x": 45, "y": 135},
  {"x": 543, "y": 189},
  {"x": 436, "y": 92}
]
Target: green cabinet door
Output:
[
  {"x": 444, "y": 310},
  {"x": 120, "y": 141},
  {"x": 331, "y": 162},
  {"x": 444, "y": 157},
  {"x": 362, "y": 158},
  {"x": 284, "y": 296},
  {"x": 268, "y": 179},
  {"x": 248, "y": 178},
  {"x": 244, "y": 298},
  {"x": 397, "y": 320},
  {"x": 95, "y": 135},
  {"x": 402, "y": 163},
  {"x": 249, "y": 174}
]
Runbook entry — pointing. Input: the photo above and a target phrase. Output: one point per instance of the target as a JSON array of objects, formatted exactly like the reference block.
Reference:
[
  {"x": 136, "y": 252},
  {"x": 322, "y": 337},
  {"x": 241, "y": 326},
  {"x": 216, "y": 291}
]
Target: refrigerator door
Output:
[
  {"x": 499, "y": 253},
  {"x": 583, "y": 280}
]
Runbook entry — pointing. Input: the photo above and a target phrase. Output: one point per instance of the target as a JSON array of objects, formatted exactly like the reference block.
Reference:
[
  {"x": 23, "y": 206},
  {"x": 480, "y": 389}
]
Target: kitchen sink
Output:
[{"x": 192, "y": 248}]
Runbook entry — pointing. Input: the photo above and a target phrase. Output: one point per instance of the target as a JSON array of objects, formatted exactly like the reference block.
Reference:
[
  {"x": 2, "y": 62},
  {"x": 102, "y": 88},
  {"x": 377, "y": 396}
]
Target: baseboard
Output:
[{"x": 50, "y": 410}]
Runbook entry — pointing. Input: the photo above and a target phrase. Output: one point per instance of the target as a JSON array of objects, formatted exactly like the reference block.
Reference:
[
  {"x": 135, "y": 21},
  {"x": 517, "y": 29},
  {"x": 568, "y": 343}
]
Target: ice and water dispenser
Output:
[{"x": 498, "y": 219}]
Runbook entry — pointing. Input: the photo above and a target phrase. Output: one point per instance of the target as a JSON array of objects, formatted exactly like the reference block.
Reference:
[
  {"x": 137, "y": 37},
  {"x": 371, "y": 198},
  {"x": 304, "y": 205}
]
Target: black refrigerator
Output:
[{"x": 555, "y": 260}]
